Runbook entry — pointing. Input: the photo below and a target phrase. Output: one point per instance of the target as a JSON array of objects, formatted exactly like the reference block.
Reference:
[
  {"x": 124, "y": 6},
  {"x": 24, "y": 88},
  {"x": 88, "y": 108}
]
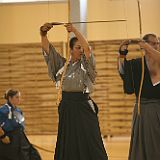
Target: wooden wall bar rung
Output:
[{"x": 22, "y": 66}]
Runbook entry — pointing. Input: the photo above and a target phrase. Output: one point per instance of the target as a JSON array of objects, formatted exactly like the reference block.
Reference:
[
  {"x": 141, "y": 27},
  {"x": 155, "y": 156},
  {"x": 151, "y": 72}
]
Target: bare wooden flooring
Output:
[{"x": 117, "y": 147}]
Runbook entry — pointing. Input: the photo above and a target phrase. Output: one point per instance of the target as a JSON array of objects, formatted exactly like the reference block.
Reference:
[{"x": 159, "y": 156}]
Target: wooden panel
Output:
[
  {"x": 22, "y": 66},
  {"x": 115, "y": 107}
]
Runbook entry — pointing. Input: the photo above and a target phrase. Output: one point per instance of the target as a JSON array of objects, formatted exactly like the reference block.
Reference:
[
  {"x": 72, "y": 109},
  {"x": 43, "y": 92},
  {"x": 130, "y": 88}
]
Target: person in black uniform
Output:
[
  {"x": 79, "y": 136},
  {"x": 14, "y": 144},
  {"x": 145, "y": 137}
]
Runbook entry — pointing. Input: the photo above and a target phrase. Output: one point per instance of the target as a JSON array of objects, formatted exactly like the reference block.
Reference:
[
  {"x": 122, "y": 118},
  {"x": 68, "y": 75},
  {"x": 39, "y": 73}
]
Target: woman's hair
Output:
[
  {"x": 72, "y": 42},
  {"x": 146, "y": 37},
  {"x": 10, "y": 93}
]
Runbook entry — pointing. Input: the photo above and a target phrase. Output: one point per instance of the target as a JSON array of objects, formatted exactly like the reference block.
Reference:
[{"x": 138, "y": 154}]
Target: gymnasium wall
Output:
[
  {"x": 20, "y": 22},
  {"x": 22, "y": 66}
]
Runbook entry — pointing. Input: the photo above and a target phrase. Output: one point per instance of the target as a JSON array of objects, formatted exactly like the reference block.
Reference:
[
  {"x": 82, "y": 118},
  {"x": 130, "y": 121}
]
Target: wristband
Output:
[{"x": 124, "y": 52}]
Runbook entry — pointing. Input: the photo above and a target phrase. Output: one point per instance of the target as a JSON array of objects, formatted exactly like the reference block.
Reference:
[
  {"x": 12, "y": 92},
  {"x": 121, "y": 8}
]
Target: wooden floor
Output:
[{"x": 117, "y": 147}]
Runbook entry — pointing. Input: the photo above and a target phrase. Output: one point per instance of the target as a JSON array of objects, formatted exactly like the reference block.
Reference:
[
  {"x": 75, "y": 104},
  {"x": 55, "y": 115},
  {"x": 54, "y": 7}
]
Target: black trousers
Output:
[
  {"x": 79, "y": 136},
  {"x": 18, "y": 149}
]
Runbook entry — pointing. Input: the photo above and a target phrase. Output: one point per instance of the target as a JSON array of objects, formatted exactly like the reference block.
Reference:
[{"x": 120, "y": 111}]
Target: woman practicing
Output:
[
  {"x": 14, "y": 144},
  {"x": 79, "y": 136}
]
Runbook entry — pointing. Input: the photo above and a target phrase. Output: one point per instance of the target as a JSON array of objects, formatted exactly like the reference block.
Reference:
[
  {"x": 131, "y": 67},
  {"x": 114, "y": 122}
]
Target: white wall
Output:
[
  {"x": 20, "y": 22},
  {"x": 123, "y": 9}
]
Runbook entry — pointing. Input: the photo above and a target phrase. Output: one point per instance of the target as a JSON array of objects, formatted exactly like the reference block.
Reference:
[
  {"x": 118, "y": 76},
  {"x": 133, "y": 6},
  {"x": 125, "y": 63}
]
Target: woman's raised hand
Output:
[{"x": 45, "y": 28}]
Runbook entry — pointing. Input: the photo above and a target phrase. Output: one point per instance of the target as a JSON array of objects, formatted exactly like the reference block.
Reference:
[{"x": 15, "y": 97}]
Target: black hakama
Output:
[{"x": 79, "y": 136}]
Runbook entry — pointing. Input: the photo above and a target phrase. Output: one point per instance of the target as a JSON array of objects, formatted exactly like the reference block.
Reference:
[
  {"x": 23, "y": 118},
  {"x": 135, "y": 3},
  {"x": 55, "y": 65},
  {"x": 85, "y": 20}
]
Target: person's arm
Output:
[
  {"x": 5, "y": 139},
  {"x": 90, "y": 66},
  {"x": 125, "y": 69},
  {"x": 150, "y": 51},
  {"x": 52, "y": 58},
  {"x": 44, "y": 39},
  {"x": 83, "y": 41},
  {"x": 123, "y": 50}
]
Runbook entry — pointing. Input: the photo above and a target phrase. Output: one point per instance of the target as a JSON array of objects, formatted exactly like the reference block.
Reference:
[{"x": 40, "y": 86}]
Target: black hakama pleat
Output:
[{"x": 79, "y": 136}]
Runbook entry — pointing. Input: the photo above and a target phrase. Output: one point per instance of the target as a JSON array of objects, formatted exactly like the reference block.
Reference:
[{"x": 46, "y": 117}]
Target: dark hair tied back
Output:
[
  {"x": 72, "y": 42},
  {"x": 146, "y": 37},
  {"x": 10, "y": 93}
]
